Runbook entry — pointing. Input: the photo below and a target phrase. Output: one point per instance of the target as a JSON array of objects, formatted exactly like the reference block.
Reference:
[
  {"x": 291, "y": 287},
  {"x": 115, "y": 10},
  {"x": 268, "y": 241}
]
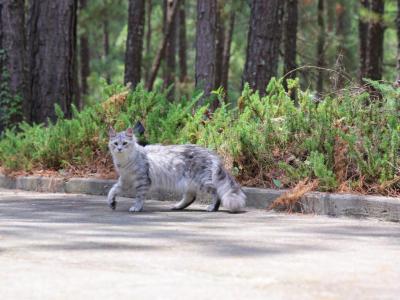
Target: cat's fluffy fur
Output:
[{"x": 186, "y": 169}]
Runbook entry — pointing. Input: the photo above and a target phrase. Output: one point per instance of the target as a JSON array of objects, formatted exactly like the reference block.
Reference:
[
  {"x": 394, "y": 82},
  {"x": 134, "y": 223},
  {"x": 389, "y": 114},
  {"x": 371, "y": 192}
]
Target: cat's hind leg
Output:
[
  {"x": 188, "y": 198},
  {"x": 216, "y": 202}
]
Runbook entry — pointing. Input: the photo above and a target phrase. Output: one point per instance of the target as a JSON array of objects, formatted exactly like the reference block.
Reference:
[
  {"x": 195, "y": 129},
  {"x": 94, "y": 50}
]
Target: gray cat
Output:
[{"x": 185, "y": 169}]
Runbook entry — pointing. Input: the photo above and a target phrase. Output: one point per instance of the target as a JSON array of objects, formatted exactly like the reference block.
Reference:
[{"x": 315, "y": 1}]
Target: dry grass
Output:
[{"x": 113, "y": 104}]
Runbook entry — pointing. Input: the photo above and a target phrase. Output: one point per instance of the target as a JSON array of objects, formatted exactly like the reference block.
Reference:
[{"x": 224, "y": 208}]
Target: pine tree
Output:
[
  {"x": 51, "y": 48},
  {"x": 263, "y": 43},
  {"x": 205, "y": 46},
  {"x": 134, "y": 42}
]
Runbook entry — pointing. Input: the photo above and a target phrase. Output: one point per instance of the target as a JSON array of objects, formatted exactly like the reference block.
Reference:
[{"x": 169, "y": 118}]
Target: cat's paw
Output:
[
  {"x": 112, "y": 203},
  {"x": 136, "y": 207},
  {"x": 176, "y": 207},
  {"x": 211, "y": 208}
]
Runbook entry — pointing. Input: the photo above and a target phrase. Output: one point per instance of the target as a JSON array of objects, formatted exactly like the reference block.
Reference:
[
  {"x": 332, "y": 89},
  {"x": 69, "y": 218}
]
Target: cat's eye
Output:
[
  {"x": 116, "y": 143},
  {"x": 124, "y": 143}
]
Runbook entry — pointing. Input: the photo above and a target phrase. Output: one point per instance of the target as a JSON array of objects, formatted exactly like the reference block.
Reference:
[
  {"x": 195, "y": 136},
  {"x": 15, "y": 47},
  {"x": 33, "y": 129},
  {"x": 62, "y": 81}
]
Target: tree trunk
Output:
[
  {"x": 106, "y": 48},
  {"x": 227, "y": 51},
  {"x": 51, "y": 39},
  {"x": 375, "y": 40},
  {"x": 161, "y": 50},
  {"x": 398, "y": 43},
  {"x": 219, "y": 42},
  {"x": 263, "y": 43},
  {"x": 170, "y": 50},
  {"x": 76, "y": 100},
  {"x": 84, "y": 55},
  {"x": 182, "y": 43},
  {"x": 344, "y": 55},
  {"x": 363, "y": 37},
  {"x": 134, "y": 42},
  {"x": 321, "y": 47},
  {"x": 148, "y": 9},
  {"x": 205, "y": 47},
  {"x": 219, "y": 49},
  {"x": 290, "y": 41},
  {"x": 13, "y": 45},
  {"x": 331, "y": 11}
]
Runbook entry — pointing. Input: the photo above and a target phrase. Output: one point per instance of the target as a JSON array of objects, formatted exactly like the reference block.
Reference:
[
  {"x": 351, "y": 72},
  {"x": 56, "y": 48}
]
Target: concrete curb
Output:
[{"x": 383, "y": 208}]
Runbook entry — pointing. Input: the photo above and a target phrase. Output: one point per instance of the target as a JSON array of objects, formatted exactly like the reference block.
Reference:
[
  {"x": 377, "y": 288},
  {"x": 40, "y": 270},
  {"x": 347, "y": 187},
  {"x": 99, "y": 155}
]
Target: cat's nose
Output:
[{"x": 119, "y": 149}]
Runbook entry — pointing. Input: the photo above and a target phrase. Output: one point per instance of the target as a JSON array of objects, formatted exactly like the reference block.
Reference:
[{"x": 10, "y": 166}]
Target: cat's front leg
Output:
[
  {"x": 142, "y": 187},
  {"x": 137, "y": 205},
  {"x": 114, "y": 191}
]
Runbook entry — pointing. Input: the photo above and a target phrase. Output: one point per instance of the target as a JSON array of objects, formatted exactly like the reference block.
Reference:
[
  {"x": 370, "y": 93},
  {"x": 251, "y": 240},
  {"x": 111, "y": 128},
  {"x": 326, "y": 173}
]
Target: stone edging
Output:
[{"x": 383, "y": 208}]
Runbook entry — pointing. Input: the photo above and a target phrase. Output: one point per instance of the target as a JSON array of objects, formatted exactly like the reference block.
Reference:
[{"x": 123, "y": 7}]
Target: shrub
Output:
[{"x": 346, "y": 142}]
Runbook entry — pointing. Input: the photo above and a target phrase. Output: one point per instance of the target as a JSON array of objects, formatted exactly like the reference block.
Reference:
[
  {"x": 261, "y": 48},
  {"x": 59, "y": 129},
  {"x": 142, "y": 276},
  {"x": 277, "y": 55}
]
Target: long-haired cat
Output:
[{"x": 185, "y": 169}]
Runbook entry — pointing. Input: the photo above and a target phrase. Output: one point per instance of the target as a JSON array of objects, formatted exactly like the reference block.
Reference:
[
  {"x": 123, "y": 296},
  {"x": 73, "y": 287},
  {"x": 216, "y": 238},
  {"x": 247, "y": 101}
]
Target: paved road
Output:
[{"x": 56, "y": 246}]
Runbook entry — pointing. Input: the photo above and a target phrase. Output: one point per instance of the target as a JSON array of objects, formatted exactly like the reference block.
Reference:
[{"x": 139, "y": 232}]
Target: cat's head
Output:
[{"x": 122, "y": 142}]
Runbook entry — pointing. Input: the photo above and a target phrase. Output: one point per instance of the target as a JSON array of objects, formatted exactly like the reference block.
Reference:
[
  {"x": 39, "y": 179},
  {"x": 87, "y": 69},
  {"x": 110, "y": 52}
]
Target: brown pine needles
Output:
[{"x": 291, "y": 199}]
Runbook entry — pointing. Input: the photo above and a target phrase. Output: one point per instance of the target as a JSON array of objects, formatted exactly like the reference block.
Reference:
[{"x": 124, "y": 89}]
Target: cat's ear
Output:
[
  {"x": 139, "y": 128},
  {"x": 129, "y": 132},
  {"x": 111, "y": 132}
]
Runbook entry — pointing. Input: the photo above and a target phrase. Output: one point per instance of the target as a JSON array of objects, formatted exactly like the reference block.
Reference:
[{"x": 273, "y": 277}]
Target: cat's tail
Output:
[{"x": 229, "y": 191}]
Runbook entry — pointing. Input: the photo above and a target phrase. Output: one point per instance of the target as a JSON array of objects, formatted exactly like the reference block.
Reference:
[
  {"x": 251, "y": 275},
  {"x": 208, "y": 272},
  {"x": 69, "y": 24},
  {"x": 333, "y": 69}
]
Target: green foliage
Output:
[
  {"x": 265, "y": 141},
  {"x": 322, "y": 171}
]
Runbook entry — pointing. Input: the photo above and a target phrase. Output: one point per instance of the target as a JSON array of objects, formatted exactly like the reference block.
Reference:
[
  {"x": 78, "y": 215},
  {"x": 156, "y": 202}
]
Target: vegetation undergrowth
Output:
[{"x": 346, "y": 142}]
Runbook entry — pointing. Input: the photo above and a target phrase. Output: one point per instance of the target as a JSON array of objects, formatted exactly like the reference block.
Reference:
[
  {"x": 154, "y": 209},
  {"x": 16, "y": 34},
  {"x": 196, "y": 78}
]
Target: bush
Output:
[{"x": 347, "y": 142}]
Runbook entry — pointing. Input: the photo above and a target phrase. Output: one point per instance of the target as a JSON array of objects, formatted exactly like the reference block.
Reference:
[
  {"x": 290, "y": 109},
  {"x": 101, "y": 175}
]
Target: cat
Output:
[{"x": 185, "y": 169}]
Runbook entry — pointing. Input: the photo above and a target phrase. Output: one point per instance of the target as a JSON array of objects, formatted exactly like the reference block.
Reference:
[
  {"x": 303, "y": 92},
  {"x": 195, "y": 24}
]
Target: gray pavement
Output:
[{"x": 65, "y": 246}]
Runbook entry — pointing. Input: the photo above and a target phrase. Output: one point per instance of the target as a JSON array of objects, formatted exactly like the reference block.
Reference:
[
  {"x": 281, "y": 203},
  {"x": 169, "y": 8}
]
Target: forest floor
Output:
[{"x": 64, "y": 246}]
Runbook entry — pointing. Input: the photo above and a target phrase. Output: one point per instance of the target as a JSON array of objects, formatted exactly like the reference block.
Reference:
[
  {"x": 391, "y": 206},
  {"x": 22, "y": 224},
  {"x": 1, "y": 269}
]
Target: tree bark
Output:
[
  {"x": 344, "y": 55},
  {"x": 106, "y": 47},
  {"x": 13, "y": 43},
  {"x": 134, "y": 42},
  {"x": 290, "y": 41},
  {"x": 398, "y": 43},
  {"x": 321, "y": 47},
  {"x": 161, "y": 50},
  {"x": 363, "y": 38},
  {"x": 84, "y": 55},
  {"x": 182, "y": 43},
  {"x": 263, "y": 43},
  {"x": 219, "y": 42},
  {"x": 227, "y": 51},
  {"x": 331, "y": 11},
  {"x": 170, "y": 50},
  {"x": 149, "y": 8},
  {"x": 375, "y": 40},
  {"x": 51, "y": 39},
  {"x": 77, "y": 100},
  {"x": 205, "y": 47}
]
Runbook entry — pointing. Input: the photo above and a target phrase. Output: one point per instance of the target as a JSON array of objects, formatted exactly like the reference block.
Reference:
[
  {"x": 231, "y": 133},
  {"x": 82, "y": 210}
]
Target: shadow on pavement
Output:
[{"x": 84, "y": 223}]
